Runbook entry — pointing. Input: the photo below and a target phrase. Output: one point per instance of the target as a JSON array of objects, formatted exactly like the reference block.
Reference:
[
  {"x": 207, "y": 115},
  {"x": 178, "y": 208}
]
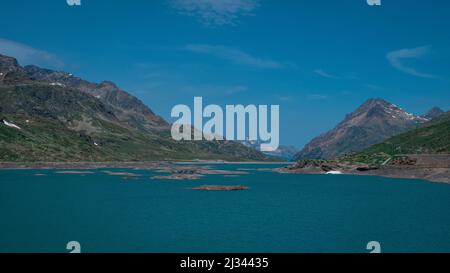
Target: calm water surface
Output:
[{"x": 280, "y": 213}]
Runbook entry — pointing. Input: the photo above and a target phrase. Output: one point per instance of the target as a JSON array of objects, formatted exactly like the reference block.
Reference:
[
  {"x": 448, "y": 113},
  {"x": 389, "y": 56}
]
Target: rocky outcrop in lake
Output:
[{"x": 220, "y": 188}]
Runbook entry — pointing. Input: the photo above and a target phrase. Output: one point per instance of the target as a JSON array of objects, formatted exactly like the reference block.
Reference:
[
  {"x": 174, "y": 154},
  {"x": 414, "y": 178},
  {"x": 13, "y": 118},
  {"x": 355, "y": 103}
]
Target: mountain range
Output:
[
  {"x": 48, "y": 115},
  {"x": 372, "y": 123},
  {"x": 283, "y": 152}
]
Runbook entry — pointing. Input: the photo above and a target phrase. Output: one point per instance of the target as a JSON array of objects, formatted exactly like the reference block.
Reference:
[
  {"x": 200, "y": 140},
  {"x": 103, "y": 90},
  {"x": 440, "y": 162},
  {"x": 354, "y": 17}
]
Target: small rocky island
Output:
[
  {"x": 220, "y": 188},
  {"x": 192, "y": 172},
  {"x": 179, "y": 176}
]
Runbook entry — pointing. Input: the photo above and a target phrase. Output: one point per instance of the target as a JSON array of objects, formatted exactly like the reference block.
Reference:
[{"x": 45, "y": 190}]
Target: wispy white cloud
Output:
[
  {"x": 233, "y": 55},
  {"x": 213, "y": 89},
  {"x": 216, "y": 12},
  {"x": 317, "y": 97},
  {"x": 396, "y": 59},
  {"x": 28, "y": 55},
  {"x": 285, "y": 98},
  {"x": 156, "y": 79},
  {"x": 372, "y": 86},
  {"x": 324, "y": 74}
]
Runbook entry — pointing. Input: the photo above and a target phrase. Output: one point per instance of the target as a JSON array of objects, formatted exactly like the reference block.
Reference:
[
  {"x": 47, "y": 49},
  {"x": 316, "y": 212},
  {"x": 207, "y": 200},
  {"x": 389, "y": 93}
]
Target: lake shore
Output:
[
  {"x": 436, "y": 173},
  {"x": 427, "y": 173},
  {"x": 100, "y": 165}
]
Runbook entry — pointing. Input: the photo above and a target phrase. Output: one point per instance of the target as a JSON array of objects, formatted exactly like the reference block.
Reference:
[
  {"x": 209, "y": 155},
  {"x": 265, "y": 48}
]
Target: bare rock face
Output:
[
  {"x": 126, "y": 107},
  {"x": 373, "y": 122},
  {"x": 8, "y": 64},
  {"x": 313, "y": 166},
  {"x": 10, "y": 70}
]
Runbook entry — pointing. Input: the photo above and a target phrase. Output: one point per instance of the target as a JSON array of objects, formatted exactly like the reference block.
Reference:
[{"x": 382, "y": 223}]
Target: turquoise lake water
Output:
[{"x": 279, "y": 213}]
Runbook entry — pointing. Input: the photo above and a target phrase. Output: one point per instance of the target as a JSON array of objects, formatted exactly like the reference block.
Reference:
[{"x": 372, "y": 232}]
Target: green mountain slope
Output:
[
  {"x": 432, "y": 138},
  {"x": 63, "y": 118}
]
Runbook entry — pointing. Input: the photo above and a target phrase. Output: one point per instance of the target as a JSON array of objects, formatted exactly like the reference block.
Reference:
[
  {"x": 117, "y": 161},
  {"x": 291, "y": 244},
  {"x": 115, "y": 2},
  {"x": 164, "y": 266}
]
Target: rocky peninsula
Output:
[{"x": 434, "y": 168}]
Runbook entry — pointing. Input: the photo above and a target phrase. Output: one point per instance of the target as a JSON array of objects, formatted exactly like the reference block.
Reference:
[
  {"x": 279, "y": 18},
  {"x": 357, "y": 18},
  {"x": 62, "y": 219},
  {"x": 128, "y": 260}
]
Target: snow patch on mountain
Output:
[{"x": 12, "y": 125}]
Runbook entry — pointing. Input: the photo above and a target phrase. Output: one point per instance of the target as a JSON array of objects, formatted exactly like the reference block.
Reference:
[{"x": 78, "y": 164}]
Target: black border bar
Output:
[{"x": 173, "y": 262}]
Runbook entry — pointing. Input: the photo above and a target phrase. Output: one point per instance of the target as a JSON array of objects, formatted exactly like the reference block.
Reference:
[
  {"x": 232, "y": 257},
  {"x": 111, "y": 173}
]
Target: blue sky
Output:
[{"x": 318, "y": 60}]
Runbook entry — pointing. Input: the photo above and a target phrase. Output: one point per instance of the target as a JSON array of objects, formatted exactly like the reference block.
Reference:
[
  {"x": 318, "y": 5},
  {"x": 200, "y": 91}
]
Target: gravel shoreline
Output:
[{"x": 438, "y": 174}]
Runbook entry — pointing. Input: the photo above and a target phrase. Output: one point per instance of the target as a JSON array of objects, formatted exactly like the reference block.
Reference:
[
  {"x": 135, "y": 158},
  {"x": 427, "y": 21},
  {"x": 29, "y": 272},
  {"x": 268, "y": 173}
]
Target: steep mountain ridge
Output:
[
  {"x": 373, "y": 122},
  {"x": 8, "y": 65},
  {"x": 60, "y": 117},
  {"x": 127, "y": 108}
]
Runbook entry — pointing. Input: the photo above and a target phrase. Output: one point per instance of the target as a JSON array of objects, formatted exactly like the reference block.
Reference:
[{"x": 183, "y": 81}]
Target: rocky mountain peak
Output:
[
  {"x": 42, "y": 74},
  {"x": 434, "y": 113},
  {"x": 373, "y": 122},
  {"x": 380, "y": 108},
  {"x": 127, "y": 108},
  {"x": 374, "y": 102},
  {"x": 8, "y": 64},
  {"x": 108, "y": 85}
]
